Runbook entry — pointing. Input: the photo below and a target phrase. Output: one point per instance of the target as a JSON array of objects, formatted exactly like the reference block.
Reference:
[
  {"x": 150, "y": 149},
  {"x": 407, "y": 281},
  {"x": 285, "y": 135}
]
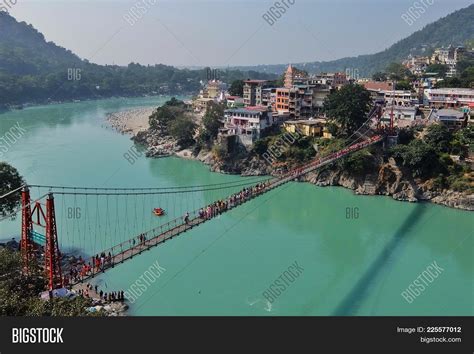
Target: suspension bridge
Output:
[{"x": 119, "y": 229}]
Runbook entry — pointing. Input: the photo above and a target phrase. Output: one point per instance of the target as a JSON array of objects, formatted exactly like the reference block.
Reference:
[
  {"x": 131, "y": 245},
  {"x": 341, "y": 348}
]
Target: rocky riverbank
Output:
[
  {"x": 391, "y": 180},
  {"x": 388, "y": 179}
]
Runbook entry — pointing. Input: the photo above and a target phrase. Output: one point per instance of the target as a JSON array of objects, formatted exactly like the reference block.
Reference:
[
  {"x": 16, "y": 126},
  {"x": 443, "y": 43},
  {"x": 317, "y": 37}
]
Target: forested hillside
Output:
[
  {"x": 34, "y": 70},
  {"x": 455, "y": 29}
]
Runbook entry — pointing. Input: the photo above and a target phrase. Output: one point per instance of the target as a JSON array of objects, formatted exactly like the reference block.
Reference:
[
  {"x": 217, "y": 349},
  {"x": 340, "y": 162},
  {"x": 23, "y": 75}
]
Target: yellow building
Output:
[
  {"x": 326, "y": 133},
  {"x": 313, "y": 127},
  {"x": 202, "y": 104},
  {"x": 213, "y": 89}
]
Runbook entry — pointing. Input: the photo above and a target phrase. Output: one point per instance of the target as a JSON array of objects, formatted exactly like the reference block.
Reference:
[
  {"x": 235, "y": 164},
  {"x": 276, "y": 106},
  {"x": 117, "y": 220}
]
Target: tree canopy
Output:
[
  {"x": 397, "y": 71},
  {"x": 348, "y": 107},
  {"x": 212, "y": 119},
  {"x": 19, "y": 293},
  {"x": 418, "y": 156},
  {"x": 10, "y": 180},
  {"x": 439, "y": 69},
  {"x": 379, "y": 76},
  {"x": 237, "y": 88},
  {"x": 438, "y": 137}
]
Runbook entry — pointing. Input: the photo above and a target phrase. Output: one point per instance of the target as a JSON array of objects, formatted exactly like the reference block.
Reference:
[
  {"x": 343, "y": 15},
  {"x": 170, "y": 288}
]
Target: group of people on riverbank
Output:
[{"x": 111, "y": 296}]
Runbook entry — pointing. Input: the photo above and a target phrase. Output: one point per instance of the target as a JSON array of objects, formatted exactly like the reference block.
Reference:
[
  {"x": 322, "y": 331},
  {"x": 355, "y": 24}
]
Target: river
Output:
[{"x": 356, "y": 254}]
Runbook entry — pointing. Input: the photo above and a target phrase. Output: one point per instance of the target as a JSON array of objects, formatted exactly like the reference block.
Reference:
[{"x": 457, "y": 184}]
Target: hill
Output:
[
  {"x": 36, "y": 71},
  {"x": 24, "y": 51},
  {"x": 455, "y": 29}
]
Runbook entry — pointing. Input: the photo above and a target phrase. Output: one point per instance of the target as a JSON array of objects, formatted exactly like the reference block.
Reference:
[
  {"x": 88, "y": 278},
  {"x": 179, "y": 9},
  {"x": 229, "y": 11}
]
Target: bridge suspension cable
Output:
[
  {"x": 20, "y": 208},
  {"x": 146, "y": 192},
  {"x": 239, "y": 181},
  {"x": 12, "y": 191}
]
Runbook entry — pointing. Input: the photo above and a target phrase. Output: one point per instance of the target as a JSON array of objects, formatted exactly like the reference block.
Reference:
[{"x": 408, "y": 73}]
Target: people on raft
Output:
[{"x": 159, "y": 211}]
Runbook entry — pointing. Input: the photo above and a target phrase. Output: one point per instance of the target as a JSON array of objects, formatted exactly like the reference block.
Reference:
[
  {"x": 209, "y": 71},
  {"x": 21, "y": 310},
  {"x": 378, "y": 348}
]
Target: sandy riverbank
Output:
[{"x": 132, "y": 121}]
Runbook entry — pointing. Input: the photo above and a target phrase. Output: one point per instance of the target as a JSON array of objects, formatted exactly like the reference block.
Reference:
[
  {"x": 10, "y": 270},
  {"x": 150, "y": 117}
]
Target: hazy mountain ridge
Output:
[
  {"x": 24, "y": 50},
  {"x": 35, "y": 71},
  {"x": 455, "y": 29}
]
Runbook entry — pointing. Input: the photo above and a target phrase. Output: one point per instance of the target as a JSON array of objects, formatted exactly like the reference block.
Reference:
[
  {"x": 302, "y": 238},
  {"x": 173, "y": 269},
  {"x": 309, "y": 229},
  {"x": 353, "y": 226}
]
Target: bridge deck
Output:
[{"x": 128, "y": 249}]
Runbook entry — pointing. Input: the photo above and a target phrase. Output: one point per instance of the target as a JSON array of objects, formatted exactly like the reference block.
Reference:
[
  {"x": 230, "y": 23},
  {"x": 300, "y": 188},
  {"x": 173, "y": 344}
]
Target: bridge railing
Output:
[{"x": 157, "y": 235}]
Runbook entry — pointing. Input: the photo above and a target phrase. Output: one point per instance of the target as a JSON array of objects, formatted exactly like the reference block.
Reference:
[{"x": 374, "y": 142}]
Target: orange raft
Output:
[{"x": 159, "y": 211}]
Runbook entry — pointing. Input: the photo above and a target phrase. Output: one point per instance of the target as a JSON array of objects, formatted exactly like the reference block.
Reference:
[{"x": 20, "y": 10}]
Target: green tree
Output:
[
  {"x": 182, "y": 129},
  {"x": 453, "y": 82},
  {"x": 438, "y": 137},
  {"x": 237, "y": 88},
  {"x": 212, "y": 119},
  {"x": 398, "y": 71},
  {"x": 463, "y": 141},
  {"x": 19, "y": 292},
  {"x": 10, "y": 180},
  {"x": 404, "y": 85},
  {"x": 439, "y": 69},
  {"x": 419, "y": 157},
  {"x": 379, "y": 76},
  {"x": 467, "y": 77},
  {"x": 359, "y": 163},
  {"x": 261, "y": 146},
  {"x": 464, "y": 63},
  {"x": 166, "y": 114},
  {"x": 406, "y": 135},
  {"x": 469, "y": 44},
  {"x": 348, "y": 107}
]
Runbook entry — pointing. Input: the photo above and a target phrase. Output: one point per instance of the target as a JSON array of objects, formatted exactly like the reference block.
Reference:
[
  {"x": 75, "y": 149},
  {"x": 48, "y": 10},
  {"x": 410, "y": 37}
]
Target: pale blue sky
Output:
[{"x": 225, "y": 32}]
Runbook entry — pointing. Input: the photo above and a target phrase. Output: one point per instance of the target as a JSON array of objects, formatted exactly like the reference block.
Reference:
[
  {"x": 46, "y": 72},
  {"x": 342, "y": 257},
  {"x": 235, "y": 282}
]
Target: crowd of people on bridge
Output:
[
  {"x": 79, "y": 269},
  {"x": 220, "y": 206}
]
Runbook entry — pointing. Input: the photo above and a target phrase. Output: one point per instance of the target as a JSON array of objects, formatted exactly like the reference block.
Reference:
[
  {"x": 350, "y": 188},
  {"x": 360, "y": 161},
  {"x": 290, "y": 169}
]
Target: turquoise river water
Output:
[{"x": 351, "y": 265}]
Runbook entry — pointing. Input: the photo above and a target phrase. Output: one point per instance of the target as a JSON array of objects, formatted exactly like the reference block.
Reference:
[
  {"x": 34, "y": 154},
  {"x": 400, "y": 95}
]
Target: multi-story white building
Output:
[
  {"x": 399, "y": 112},
  {"x": 253, "y": 92},
  {"x": 335, "y": 80},
  {"x": 448, "y": 97},
  {"x": 401, "y": 98},
  {"x": 246, "y": 123}
]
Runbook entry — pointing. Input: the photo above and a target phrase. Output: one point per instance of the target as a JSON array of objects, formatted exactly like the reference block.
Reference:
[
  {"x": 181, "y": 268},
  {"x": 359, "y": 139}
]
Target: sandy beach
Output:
[{"x": 131, "y": 121}]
